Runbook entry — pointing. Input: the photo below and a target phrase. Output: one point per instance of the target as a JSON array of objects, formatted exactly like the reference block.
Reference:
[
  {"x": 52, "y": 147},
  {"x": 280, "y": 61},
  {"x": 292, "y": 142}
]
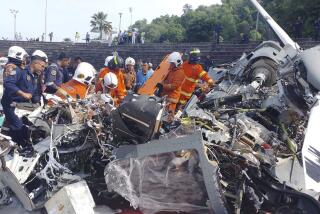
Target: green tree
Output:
[
  {"x": 255, "y": 35},
  {"x": 198, "y": 25},
  {"x": 100, "y": 24},
  {"x": 286, "y": 13},
  {"x": 162, "y": 29},
  {"x": 228, "y": 22},
  {"x": 235, "y": 18},
  {"x": 141, "y": 25}
]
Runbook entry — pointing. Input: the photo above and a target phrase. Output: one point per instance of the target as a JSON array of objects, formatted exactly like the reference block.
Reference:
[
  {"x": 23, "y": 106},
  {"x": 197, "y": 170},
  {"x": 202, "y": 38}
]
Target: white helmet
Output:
[
  {"x": 3, "y": 61},
  {"x": 17, "y": 52},
  {"x": 107, "y": 60},
  {"x": 110, "y": 80},
  {"x": 130, "y": 61},
  {"x": 84, "y": 73},
  {"x": 175, "y": 58},
  {"x": 40, "y": 55}
]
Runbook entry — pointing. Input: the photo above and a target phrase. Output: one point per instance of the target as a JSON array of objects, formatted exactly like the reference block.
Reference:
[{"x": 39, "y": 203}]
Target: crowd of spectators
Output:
[{"x": 131, "y": 37}]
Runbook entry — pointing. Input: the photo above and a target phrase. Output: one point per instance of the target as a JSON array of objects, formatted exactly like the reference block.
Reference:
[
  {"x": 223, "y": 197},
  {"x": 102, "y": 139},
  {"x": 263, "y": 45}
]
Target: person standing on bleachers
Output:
[
  {"x": 87, "y": 37},
  {"x": 317, "y": 29},
  {"x": 77, "y": 37},
  {"x": 51, "y": 36}
]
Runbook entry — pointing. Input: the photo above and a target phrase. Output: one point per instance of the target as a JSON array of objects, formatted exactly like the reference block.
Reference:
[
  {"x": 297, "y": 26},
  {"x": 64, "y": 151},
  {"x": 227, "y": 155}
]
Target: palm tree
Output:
[
  {"x": 186, "y": 8},
  {"x": 100, "y": 24}
]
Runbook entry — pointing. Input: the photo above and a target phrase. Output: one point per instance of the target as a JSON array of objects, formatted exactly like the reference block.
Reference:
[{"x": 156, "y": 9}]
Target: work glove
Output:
[
  {"x": 159, "y": 86},
  {"x": 159, "y": 90}
]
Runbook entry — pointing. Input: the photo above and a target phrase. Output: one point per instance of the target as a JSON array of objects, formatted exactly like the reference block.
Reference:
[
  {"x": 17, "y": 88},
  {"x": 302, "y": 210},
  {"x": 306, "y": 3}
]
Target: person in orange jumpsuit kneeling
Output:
[
  {"x": 193, "y": 73},
  {"x": 171, "y": 86},
  {"x": 110, "y": 84},
  {"x": 79, "y": 85},
  {"x": 102, "y": 73},
  {"x": 115, "y": 65}
]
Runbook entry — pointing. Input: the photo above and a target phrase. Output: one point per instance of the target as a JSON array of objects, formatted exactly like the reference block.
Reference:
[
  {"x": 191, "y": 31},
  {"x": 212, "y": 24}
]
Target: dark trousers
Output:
[
  {"x": 18, "y": 131},
  {"x": 317, "y": 35}
]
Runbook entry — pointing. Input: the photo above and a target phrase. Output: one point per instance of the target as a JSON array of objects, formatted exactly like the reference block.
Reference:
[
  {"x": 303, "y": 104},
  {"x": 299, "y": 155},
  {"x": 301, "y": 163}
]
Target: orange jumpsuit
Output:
[
  {"x": 129, "y": 79},
  {"x": 118, "y": 93},
  {"x": 73, "y": 88},
  {"x": 193, "y": 73},
  {"x": 172, "y": 87},
  {"x": 99, "y": 83}
]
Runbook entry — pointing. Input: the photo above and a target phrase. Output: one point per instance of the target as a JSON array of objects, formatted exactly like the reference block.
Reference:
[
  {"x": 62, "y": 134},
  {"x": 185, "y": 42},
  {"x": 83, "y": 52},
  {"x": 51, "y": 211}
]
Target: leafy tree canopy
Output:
[{"x": 234, "y": 17}]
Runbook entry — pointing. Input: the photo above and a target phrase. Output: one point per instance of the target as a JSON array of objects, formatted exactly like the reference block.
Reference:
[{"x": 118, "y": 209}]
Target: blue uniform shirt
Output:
[
  {"x": 22, "y": 80},
  {"x": 53, "y": 76},
  {"x": 68, "y": 74},
  {"x": 142, "y": 78},
  {"x": 27, "y": 82}
]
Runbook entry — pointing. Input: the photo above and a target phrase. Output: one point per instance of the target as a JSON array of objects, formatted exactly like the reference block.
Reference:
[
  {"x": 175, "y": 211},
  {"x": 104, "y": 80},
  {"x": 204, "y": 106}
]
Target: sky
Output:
[{"x": 66, "y": 17}]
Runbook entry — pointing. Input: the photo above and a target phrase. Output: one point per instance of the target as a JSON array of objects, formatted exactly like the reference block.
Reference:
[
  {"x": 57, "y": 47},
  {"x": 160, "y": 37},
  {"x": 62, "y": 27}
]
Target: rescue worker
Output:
[
  {"x": 129, "y": 74},
  {"x": 56, "y": 74},
  {"x": 115, "y": 65},
  {"x": 79, "y": 85},
  {"x": 73, "y": 66},
  {"x": 110, "y": 83},
  {"x": 193, "y": 73},
  {"x": 3, "y": 62},
  {"x": 17, "y": 57},
  {"x": 22, "y": 86},
  {"x": 102, "y": 73},
  {"x": 171, "y": 86}
]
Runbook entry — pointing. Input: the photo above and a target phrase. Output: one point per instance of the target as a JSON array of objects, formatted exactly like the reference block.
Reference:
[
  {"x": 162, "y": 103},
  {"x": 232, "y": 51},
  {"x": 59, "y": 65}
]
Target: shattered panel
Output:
[
  {"x": 164, "y": 182},
  {"x": 21, "y": 166},
  {"x": 166, "y": 176}
]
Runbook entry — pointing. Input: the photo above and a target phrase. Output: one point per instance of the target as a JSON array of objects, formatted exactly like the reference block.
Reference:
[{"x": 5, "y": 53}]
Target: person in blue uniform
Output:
[
  {"x": 57, "y": 73},
  {"x": 22, "y": 85},
  {"x": 72, "y": 67},
  {"x": 16, "y": 59}
]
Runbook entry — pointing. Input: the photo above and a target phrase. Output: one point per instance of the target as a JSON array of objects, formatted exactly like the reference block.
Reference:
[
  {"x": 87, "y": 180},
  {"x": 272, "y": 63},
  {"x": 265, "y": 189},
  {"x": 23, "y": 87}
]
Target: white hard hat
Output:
[
  {"x": 3, "y": 61},
  {"x": 84, "y": 73},
  {"x": 40, "y": 55},
  {"x": 17, "y": 52},
  {"x": 175, "y": 58},
  {"x": 110, "y": 80},
  {"x": 107, "y": 60},
  {"x": 130, "y": 61}
]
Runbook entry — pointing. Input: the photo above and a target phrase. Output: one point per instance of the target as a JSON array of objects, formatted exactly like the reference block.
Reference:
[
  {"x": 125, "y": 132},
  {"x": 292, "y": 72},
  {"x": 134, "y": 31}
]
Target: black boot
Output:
[
  {"x": 22, "y": 138},
  {"x": 27, "y": 151}
]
